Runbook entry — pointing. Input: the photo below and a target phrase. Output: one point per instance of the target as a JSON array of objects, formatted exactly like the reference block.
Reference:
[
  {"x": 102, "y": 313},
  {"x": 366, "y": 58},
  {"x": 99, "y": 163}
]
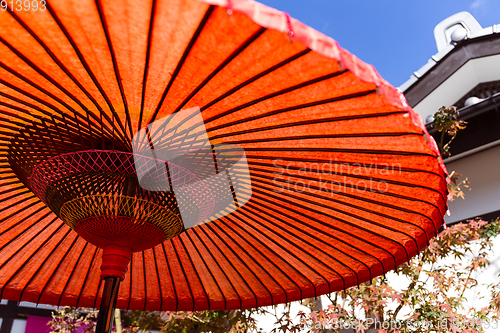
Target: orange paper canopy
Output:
[{"x": 346, "y": 184}]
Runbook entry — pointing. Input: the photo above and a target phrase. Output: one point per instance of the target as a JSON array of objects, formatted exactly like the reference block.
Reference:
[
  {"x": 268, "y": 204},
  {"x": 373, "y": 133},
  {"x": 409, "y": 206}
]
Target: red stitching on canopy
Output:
[{"x": 291, "y": 34}]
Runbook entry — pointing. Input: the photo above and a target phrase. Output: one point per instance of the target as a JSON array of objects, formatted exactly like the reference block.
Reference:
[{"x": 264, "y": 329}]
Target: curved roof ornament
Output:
[{"x": 458, "y": 22}]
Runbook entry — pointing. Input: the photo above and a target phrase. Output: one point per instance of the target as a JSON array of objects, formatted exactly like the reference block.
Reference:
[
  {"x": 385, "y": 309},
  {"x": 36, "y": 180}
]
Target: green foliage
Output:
[
  {"x": 446, "y": 121},
  {"x": 433, "y": 294},
  {"x": 67, "y": 320},
  {"x": 238, "y": 321}
]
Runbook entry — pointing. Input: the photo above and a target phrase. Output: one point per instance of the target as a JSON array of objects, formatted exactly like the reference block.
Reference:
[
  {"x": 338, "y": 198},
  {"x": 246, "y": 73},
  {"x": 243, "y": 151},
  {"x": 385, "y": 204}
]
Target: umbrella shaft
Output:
[{"x": 108, "y": 304}]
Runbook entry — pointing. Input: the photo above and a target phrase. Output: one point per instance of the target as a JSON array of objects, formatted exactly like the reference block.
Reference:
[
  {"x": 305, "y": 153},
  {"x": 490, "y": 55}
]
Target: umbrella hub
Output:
[
  {"x": 115, "y": 260},
  {"x": 105, "y": 230},
  {"x": 97, "y": 194}
]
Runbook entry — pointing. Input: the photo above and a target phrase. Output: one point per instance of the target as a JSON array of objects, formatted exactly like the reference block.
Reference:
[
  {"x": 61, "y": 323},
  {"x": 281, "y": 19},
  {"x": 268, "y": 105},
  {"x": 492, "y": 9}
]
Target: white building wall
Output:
[
  {"x": 18, "y": 326},
  {"x": 483, "y": 171}
]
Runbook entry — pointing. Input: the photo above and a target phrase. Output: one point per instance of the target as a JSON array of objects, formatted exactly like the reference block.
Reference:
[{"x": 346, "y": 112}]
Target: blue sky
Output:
[{"x": 396, "y": 36}]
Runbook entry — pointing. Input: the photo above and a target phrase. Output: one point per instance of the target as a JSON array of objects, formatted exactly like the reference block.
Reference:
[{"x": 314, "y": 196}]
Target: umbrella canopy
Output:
[{"x": 337, "y": 179}]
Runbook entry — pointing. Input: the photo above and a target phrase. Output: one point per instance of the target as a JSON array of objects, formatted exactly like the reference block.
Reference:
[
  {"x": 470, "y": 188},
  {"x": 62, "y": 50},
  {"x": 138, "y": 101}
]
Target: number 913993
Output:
[{"x": 23, "y": 5}]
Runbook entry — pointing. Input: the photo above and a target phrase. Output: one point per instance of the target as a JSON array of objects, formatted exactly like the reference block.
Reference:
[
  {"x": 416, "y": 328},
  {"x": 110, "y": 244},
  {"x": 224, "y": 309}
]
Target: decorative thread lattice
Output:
[
  {"x": 95, "y": 173},
  {"x": 82, "y": 208}
]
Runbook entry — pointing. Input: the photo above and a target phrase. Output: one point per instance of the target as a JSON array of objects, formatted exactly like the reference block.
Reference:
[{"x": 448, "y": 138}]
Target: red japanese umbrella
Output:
[{"x": 208, "y": 155}]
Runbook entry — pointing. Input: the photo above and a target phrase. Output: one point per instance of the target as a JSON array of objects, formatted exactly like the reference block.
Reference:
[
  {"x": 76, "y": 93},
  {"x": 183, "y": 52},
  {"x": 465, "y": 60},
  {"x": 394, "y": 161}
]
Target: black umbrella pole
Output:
[
  {"x": 108, "y": 304},
  {"x": 114, "y": 266}
]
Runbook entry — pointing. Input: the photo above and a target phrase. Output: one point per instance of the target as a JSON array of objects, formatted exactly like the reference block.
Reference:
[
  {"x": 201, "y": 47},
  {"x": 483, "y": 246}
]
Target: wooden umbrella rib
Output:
[
  {"x": 276, "y": 267},
  {"x": 6, "y": 172},
  {"x": 332, "y": 237},
  {"x": 59, "y": 131},
  {"x": 72, "y": 270},
  {"x": 89, "y": 72},
  {"x": 233, "y": 55},
  {"x": 82, "y": 61},
  {"x": 22, "y": 221},
  {"x": 9, "y": 125},
  {"x": 221, "y": 66},
  {"x": 303, "y": 138},
  {"x": 181, "y": 241},
  {"x": 54, "y": 129},
  {"x": 10, "y": 177},
  {"x": 182, "y": 60},
  {"x": 215, "y": 226},
  {"x": 287, "y": 90},
  {"x": 145, "y": 281},
  {"x": 15, "y": 182},
  {"x": 174, "y": 247},
  {"x": 313, "y": 202},
  {"x": 57, "y": 266},
  {"x": 207, "y": 238},
  {"x": 86, "y": 278},
  {"x": 254, "y": 166},
  {"x": 47, "y": 257},
  {"x": 21, "y": 199},
  {"x": 171, "y": 277},
  {"x": 256, "y": 209},
  {"x": 206, "y": 250},
  {"x": 16, "y": 189},
  {"x": 182, "y": 135},
  {"x": 368, "y": 220},
  {"x": 46, "y": 93},
  {"x": 27, "y": 112},
  {"x": 21, "y": 120},
  {"x": 39, "y": 88},
  {"x": 56, "y": 60},
  {"x": 263, "y": 196},
  {"x": 27, "y": 94},
  {"x": 376, "y": 213},
  {"x": 297, "y": 123},
  {"x": 118, "y": 78},
  {"x": 41, "y": 101},
  {"x": 39, "y": 71},
  {"x": 207, "y": 268},
  {"x": 320, "y": 231},
  {"x": 252, "y": 163},
  {"x": 146, "y": 61},
  {"x": 339, "y": 150},
  {"x": 292, "y": 245},
  {"x": 157, "y": 276},
  {"x": 7, "y": 282},
  {"x": 287, "y": 250},
  {"x": 261, "y": 254},
  {"x": 364, "y": 199},
  {"x": 254, "y": 78},
  {"x": 352, "y": 196},
  {"x": 23, "y": 102}
]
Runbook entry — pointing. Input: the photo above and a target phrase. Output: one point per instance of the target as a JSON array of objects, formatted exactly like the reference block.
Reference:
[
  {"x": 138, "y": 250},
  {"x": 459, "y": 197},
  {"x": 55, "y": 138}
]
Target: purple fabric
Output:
[
  {"x": 81, "y": 329},
  {"x": 36, "y": 324}
]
